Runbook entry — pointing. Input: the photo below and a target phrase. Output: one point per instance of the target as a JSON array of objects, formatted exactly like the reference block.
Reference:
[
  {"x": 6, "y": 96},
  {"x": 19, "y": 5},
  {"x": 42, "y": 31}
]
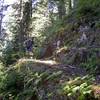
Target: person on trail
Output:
[
  {"x": 58, "y": 44},
  {"x": 29, "y": 46}
]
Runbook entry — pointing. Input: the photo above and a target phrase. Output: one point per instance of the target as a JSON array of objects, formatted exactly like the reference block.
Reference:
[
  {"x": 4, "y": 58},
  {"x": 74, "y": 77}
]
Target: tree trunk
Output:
[
  {"x": 21, "y": 27},
  {"x": 75, "y": 3},
  {"x": 70, "y": 5},
  {"x": 25, "y": 15},
  {"x": 61, "y": 9}
]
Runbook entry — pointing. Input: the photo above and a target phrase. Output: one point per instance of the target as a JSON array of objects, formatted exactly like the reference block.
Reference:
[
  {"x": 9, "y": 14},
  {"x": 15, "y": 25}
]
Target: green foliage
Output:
[
  {"x": 88, "y": 8},
  {"x": 48, "y": 34},
  {"x": 11, "y": 84},
  {"x": 54, "y": 29},
  {"x": 91, "y": 63},
  {"x": 23, "y": 85},
  {"x": 79, "y": 88},
  {"x": 97, "y": 24},
  {"x": 10, "y": 55}
]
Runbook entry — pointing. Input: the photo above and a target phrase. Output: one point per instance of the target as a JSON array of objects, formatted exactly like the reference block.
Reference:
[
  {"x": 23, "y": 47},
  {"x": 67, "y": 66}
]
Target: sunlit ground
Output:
[{"x": 47, "y": 62}]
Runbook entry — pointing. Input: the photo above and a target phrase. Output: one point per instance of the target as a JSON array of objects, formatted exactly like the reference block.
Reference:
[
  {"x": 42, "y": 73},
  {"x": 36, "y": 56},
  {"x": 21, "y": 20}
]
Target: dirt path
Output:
[
  {"x": 50, "y": 65},
  {"x": 69, "y": 73}
]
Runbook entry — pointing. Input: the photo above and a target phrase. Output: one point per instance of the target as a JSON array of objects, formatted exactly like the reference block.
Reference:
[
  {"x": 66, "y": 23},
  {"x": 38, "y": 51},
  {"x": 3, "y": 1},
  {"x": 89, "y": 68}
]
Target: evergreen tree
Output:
[{"x": 25, "y": 23}]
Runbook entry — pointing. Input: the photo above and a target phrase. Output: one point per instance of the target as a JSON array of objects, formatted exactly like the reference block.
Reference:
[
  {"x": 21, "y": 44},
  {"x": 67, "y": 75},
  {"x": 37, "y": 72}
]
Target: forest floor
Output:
[
  {"x": 50, "y": 66},
  {"x": 68, "y": 74}
]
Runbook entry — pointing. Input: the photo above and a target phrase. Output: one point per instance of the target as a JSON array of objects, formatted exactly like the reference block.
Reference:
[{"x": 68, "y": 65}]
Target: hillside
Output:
[{"x": 50, "y": 50}]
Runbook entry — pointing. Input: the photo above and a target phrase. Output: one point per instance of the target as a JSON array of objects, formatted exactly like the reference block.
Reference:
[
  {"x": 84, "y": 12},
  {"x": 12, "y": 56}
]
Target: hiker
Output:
[
  {"x": 58, "y": 44},
  {"x": 82, "y": 40},
  {"x": 29, "y": 46}
]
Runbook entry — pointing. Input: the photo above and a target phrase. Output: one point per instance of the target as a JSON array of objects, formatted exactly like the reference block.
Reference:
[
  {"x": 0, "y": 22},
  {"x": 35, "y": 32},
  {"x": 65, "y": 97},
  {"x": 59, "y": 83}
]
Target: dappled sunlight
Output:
[
  {"x": 49, "y": 50},
  {"x": 47, "y": 62}
]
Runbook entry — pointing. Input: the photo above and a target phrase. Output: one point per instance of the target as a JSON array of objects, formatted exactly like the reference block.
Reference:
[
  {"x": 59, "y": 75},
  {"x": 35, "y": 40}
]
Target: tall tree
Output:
[
  {"x": 70, "y": 5},
  {"x": 25, "y": 22},
  {"x": 75, "y": 3},
  {"x": 61, "y": 8},
  {"x": 3, "y": 8},
  {"x": 61, "y": 5}
]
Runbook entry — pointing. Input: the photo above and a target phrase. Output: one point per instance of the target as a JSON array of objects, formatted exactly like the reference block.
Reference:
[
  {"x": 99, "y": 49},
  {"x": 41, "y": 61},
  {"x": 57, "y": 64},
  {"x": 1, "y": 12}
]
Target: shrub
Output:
[
  {"x": 78, "y": 89},
  {"x": 19, "y": 85},
  {"x": 10, "y": 55},
  {"x": 91, "y": 63},
  {"x": 88, "y": 9}
]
